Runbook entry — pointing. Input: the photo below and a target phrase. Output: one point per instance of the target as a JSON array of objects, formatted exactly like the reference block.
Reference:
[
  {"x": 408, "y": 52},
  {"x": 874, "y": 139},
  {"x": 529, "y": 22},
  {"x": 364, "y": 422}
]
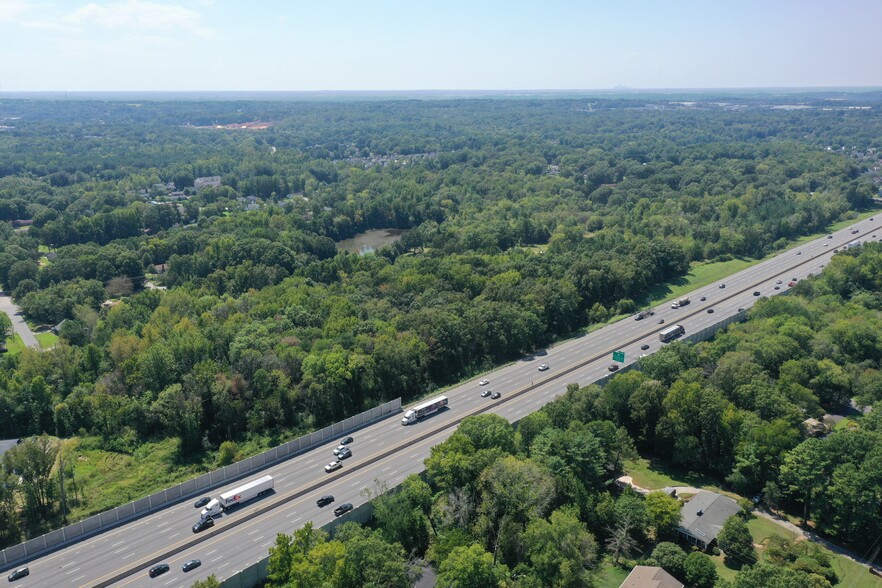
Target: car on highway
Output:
[
  {"x": 486, "y": 393},
  {"x": 340, "y": 448},
  {"x": 661, "y": 321},
  {"x": 334, "y": 465},
  {"x": 799, "y": 252},
  {"x": 325, "y": 500},
  {"x": 343, "y": 509},
  {"x": 158, "y": 570},
  {"x": 344, "y": 453},
  {"x": 543, "y": 367},
  {"x": 346, "y": 440},
  {"x": 191, "y": 565},
  {"x": 756, "y": 293},
  {"x": 204, "y": 523},
  {"x": 702, "y": 299},
  {"x": 202, "y": 501},
  {"x": 722, "y": 286},
  {"x": 496, "y": 396},
  {"x": 791, "y": 284},
  {"x": 613, "y": 367},
  {"x": 855, "y": 231},
  {"x": 829, "y": 236},
  {"x": 777, "y": 281},
  {"x": 19, "y": 574},
  {"x": 645, "y": 346},
  {"x": 483, "y": 382},
  {"x": 826, "y": 244},
  {"x": 710, "y": 310}
]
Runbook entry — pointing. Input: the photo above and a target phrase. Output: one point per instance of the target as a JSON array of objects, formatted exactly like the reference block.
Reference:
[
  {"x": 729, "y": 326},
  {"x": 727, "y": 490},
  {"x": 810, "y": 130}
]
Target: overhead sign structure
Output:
[{"x": 619, "y": 356}]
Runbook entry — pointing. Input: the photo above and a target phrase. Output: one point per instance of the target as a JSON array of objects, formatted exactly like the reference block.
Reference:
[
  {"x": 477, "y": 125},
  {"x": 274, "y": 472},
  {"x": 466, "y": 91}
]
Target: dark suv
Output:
[
  {"x": 342, "y": 509},
  {"x": 158, "y": 570},
  {"x": 203, "y": 524},
  {"x": 19, "y": 574},
  {"x": 325, "y": 500}
]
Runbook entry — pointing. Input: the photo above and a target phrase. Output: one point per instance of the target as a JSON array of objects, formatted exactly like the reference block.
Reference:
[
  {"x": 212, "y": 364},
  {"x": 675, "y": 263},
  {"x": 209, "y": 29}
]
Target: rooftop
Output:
[
  {"x": 703, "y": 516},
  {"x": 650, "y": 577}
]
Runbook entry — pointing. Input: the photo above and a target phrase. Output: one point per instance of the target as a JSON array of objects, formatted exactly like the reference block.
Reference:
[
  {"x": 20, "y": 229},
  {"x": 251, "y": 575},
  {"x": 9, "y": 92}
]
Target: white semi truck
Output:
[
  {"x": 243, "y": 493},
  {"x": 423, "y": 410}
]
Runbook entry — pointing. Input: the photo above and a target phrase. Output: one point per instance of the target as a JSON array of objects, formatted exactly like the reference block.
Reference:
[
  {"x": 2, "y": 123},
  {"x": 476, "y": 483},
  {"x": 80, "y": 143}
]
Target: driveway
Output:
[{"x": 18, "y": 323}]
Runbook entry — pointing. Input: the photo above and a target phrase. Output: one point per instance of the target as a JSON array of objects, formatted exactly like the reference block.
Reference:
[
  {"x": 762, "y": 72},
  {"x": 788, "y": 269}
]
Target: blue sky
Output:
[{"x": 118, "y": 45}]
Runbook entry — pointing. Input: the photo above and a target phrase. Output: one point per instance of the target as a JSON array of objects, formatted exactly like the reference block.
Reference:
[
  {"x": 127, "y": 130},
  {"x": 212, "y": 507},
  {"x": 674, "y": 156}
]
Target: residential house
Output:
[
  {"x": 702, "y": 517},
  {"x": 650, "y": 577}
]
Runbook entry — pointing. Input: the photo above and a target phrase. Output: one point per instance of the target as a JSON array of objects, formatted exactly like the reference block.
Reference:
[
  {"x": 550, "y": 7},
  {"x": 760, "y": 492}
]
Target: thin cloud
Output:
[
  {"x": 10, "y": 10},
  {"x": 139, "y": 14}
]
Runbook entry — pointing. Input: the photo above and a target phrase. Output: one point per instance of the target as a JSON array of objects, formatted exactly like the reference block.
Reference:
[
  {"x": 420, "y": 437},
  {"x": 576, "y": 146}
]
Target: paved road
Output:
[
  {"x": 18, "y": 323},
  {"x": 387, "y": 451}
]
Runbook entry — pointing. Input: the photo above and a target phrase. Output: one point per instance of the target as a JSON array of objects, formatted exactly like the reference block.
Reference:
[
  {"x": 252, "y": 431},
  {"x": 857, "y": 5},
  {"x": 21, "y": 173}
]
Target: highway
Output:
[{"x": 388, "y": 451}]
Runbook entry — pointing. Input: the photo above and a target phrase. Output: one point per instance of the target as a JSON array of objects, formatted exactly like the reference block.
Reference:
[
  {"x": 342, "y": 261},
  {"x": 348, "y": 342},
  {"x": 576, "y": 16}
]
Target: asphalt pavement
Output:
[{"x": 18, "y": 323}]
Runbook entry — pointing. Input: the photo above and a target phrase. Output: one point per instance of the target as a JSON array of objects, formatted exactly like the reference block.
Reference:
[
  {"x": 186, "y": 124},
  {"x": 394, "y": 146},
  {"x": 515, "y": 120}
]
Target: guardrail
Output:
[
  {"x": 256, "y": 573},
  {"x": 12, "y": 556}
]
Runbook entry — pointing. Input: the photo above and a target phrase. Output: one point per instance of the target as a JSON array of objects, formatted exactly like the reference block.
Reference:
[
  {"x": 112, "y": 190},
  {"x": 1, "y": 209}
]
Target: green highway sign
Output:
[{"x": 619, "y": 356}]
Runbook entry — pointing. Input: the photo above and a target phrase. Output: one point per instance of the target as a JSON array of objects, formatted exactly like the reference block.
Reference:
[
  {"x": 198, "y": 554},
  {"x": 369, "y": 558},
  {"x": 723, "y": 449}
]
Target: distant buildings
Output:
[{"x": 207, "y": 182}]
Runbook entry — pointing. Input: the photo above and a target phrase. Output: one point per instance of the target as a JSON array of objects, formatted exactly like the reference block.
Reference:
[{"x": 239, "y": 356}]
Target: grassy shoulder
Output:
[{"x": 46, "y": 340}]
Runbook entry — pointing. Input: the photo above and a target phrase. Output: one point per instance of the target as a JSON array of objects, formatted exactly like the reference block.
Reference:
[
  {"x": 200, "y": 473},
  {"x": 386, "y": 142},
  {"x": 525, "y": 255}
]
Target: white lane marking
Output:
[
  {"x": 173, "y": 536},
  {"x": 356, "y": 485},
  {"x": 415, "y": 454},
  {"x": 267, "y": 544},
  {"x": 290, "y": 514},
  {"x": 310, "y": 462},
  {"x": 217, "y": 559},
  {"x": 120, "y": 550},
  {"x": 256, "y": 539},
  {"x": 78, "y": 579},
  {"x": 72, "y": 571},
  {"x": 253, "y": 532},
  {"x": 129, "y": 555},
  {"x": 118, "y": 543},
  {"x": 223, "y": 565},
  {"x": 68, "y": 564},
  {"x": 297, "y": 519},
  {"x": 281, "y": 479},
  {"x": 210, "y": 552},
  {"x": 387, "y": 468},
  {"x": 170, "y": 581},
  {"x": 290, "y": 483},
  {"x": 162, "y": 524}
]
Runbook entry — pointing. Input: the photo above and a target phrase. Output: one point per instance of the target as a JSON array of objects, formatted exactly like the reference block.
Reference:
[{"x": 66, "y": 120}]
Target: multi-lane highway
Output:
[{"x": 387, "y": 451}]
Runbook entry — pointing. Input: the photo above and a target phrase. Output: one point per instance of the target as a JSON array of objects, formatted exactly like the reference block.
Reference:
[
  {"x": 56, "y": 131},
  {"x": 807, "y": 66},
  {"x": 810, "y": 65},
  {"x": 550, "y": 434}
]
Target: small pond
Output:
[{"x": 370, "y": 240}]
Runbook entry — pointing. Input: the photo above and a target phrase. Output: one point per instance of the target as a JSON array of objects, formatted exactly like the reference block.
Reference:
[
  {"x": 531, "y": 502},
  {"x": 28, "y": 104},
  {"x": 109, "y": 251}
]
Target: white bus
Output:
[
  {"x": 671, "y": 333},
  {"x": 423, "y": 410}
]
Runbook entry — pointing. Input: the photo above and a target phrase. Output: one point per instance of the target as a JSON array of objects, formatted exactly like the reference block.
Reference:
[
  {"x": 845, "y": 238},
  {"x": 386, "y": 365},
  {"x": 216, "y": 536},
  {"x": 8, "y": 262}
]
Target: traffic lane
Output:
[
  {"x": 240, "y": 544},
  {"x": 747, "y": 276}
]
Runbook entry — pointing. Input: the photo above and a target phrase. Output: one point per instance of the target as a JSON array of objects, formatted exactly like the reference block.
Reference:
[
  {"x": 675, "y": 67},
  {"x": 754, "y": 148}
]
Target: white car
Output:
[
  {"x": 543, "y": 367},
  {"x": 483, "y": 382},
  {"x": 339, "y": 448},
  {"x": 334, "y": 465}
]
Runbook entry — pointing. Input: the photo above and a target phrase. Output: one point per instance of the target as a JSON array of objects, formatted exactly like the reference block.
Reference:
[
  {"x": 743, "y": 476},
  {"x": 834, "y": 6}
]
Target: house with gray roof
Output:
[
  {"x": 702, "y": 517},
  {"x": 650, "y": 577}
]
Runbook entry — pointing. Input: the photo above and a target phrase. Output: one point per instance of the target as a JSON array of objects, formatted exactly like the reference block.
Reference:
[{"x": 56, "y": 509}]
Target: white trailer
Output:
[
  {"x": 853, "y": 244},
  {"x": 243, "y": 493},
  {"x": 423, "y": 410},
  {"x": 671, "y": 333}
]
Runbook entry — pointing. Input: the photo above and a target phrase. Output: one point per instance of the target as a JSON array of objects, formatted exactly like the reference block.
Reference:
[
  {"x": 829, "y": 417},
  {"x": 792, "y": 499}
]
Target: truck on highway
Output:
[
  {"x": 425, "y": 409},
  {"x": 671, "y": 332},
  {"x": 243, "y": 493},
  {"x": 680, "y": 302},
  {"x": 853, "y": 244},
  {"x": 643, "y": 314}
]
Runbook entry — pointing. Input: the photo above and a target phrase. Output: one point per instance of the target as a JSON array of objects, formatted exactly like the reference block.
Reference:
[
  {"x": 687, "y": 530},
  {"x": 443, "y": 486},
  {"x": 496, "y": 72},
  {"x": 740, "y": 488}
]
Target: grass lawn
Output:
[
  {"x": 655, "y": 475},
  {"x": 46, "y": 340},
  {"x": 14, "y": 344},
  {"x": 609, "y": 575}
]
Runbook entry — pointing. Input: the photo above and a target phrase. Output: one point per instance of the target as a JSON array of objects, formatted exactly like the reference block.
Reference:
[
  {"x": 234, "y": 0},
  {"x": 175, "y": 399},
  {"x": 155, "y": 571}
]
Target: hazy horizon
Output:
[{"x": 396, "y": 46}]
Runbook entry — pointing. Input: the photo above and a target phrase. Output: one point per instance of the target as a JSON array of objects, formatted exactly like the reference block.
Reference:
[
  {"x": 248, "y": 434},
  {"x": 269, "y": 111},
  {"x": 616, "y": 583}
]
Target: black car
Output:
[
  {"x": 158, "y": 570},
  {"x": 191, "y": 565},
  {"x": 645, "y": 346},
  {"x": 740, "y": 310},
  {"x": 829, "y": 236},
  {"x": 756, "y": 293},
  {"x": 661, "y": 321},
  {"x": 710, "y": 310},
  {"x": 495, "y": 396},
  {"x": 325, "y": 500},
  {"x": 19, "y": 574},
  {"x": 205, "y": 523},
  {"x": 702, "y": 299},
  {"x": 613, "y": 367},
  {"x": 346, "y": 440},
  {"x": 342, "y": 509},
  {"x": 202, "y": 501},
  {"x": 722, "y": 286}
]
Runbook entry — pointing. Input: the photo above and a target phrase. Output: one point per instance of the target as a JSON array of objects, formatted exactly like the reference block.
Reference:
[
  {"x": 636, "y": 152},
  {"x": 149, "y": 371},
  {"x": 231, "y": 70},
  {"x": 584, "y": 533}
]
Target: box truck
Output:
[{"x": 243, "y": 493}]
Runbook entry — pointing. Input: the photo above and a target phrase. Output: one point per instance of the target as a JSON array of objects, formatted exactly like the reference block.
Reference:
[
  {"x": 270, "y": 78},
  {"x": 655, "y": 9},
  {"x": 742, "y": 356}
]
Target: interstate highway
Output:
[{"x": 388, "y": 451}]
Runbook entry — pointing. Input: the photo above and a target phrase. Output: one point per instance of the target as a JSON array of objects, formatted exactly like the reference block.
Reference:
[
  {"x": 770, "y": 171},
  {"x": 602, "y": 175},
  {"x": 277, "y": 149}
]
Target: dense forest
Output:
[
  {"x": 533, "y": 506},
  {"x": 527, "y": 220}
]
